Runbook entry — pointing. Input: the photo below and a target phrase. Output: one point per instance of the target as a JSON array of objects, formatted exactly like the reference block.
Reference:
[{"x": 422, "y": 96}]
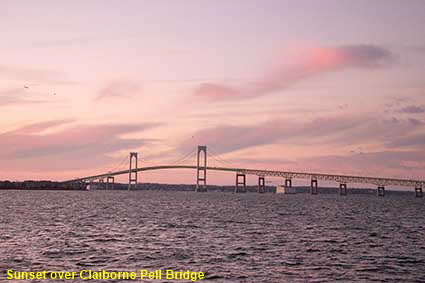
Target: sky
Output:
[{"x": 328, "y": 86}]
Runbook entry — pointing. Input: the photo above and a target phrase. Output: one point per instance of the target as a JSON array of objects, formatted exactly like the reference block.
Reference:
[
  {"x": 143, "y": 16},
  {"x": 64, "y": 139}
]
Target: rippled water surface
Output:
[{"x": 230, "y": 237}]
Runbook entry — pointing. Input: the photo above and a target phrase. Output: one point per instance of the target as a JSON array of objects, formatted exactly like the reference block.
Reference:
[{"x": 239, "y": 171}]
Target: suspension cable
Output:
[
  {"x": 185, "y": 157},
  {"x": 217, "y": 156}
]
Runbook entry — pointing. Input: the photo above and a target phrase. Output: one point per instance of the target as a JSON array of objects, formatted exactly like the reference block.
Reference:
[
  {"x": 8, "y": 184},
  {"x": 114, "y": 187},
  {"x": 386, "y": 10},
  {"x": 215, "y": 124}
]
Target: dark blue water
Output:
[{"x": 230, "y": 237}]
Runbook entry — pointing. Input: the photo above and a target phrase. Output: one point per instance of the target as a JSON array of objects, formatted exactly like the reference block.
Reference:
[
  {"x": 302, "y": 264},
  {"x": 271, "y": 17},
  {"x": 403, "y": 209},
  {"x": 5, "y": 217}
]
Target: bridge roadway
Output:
[{"x": 343, "y": 179}]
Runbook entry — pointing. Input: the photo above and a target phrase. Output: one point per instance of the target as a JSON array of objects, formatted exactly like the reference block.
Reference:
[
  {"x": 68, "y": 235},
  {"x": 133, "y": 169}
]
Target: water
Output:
[{"x": 230, "y": 237}]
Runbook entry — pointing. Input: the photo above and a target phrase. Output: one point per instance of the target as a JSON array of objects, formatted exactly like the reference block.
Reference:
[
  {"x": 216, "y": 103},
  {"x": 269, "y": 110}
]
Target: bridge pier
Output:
[
  {"x": 238, "y": 188},
  {"x": 132, "y": 176},
  {"x": 110, "y": 180},
  {"x": 314, "y": 187},
  {"x": 79, "y": 185},
  {"x": 201, "y": 170},
  {"x": 288, "y": 186},
  {"x": 288, "y": 183},
  {"x": 101, "y": 183},
  {"x": 261, "y": 185},
  {"x": 342, "y": 189},
  {"x": 418, "y": 192},
  {"x": 380, "y": 191}
]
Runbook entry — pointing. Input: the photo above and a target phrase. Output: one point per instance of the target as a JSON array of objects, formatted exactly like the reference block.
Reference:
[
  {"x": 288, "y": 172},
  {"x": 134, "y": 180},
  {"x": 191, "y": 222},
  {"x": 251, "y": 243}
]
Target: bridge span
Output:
[
  {"x": 240, "y": 184},
  {"x": 272, "y": 173}
]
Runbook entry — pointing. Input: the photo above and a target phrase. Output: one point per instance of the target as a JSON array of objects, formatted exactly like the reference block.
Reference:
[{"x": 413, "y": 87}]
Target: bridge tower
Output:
[
  {"x": 201, "y": 169},
  {"x": 132, "y": 173}
]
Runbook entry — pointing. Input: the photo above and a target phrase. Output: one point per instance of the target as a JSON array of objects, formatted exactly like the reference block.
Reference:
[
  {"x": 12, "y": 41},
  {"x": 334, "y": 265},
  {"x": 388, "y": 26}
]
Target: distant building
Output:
[{"x": 93, "y": 187}]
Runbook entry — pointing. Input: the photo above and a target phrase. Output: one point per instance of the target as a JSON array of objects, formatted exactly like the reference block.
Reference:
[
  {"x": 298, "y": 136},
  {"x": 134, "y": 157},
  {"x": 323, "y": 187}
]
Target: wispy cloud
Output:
[
  {"x": 415, "y": 140},
  {"x": 17, "y": 96},
  {"x": 37, "y": 128},
  {"x": 228, "y": 138},
  {"x": 33, "y": 75},
  {"x": 390, "y": 163},
  {"x": 119, "y": 89},
  {"x": 308, "y": 62},
  {"x": 63, "y": 42},
  {"x": 413, "y": 109},
  {"x": 332, "y": 130},
  {"x": 40, "y": 146},
  {"x": 417, "y": 48}
]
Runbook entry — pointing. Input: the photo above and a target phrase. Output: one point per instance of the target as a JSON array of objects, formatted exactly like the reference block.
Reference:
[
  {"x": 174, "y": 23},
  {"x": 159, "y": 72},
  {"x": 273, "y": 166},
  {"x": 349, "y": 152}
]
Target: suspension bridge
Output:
[{"x": 241, "y": 173}]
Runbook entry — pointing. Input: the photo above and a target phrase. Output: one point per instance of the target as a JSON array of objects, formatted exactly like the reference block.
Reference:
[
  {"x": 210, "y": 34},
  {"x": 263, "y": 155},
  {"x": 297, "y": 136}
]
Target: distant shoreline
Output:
[{"x": 55, "y": 186}]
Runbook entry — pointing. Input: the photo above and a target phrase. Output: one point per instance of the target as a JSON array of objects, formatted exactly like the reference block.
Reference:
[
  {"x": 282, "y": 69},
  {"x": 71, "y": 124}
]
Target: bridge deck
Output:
[{"x": 285, "y": 174}]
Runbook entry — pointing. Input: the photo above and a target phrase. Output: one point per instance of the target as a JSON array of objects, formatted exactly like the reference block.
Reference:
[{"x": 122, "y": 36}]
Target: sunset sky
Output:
[{"x": 330, "y": 86}]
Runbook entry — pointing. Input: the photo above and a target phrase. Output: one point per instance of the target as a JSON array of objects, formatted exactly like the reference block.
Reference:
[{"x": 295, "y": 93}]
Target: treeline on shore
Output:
[
  {"x": 52, "y": 185},
  {"x": 38, "y": 185}
]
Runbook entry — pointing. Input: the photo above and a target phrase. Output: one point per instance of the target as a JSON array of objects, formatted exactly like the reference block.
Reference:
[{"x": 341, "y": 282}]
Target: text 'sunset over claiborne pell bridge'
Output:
[{"x": 240, "y": 183}]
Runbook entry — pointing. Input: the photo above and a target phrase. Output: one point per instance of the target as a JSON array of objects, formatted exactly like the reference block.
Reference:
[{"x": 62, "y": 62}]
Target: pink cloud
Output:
[
  {"x": 308, "y": 62},
  {"x": 395, "y": 151},
  {"x": 31, "y": 75},
  {"x": 217, "y": 92},
  {"x": 413, "y": 109},
  {"x": 39, "y": 127},
  {"x": 14, "y": 72},
  {"x": 17, "y": 96},
  {"x": 389, "y": 163},
  {"x": 71, "y": 146},
  {"x": 119, "y": 89},
  {"x": 333, "y": 130}
]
